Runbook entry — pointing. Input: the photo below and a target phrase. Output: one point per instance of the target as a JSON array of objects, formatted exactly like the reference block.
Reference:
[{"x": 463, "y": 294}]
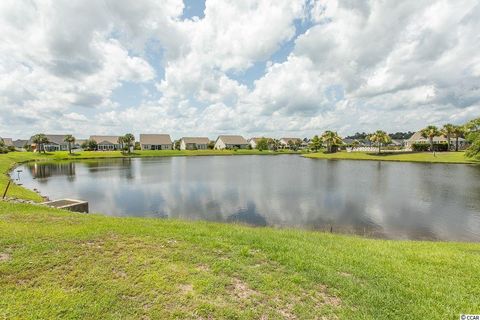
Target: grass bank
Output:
[
  {"x": 9, "y": 160},
  {"x": 440, "y": 157},
  {"x": 55, "y": 264}
]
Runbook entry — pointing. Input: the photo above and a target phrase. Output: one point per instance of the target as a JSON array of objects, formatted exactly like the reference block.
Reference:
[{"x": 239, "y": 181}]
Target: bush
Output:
[{"x": 422, "y": 147}]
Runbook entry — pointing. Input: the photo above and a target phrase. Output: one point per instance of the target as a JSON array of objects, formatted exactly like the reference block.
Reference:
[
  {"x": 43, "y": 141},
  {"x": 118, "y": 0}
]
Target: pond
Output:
[{"x": 376, "y": 199}]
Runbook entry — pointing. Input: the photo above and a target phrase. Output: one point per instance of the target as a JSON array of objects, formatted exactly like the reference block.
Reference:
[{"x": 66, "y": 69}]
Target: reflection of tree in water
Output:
[
  {"x": 248, "y": 215},
  {"x": 123, "y": 165},
  {"x": 46, "y": 170}
]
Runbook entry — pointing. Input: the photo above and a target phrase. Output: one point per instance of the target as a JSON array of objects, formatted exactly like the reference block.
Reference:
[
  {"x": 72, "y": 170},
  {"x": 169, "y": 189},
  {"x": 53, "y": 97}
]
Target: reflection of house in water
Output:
[
  {"x": 248, "y": 215},
  {"x": 46, "y": 170}
]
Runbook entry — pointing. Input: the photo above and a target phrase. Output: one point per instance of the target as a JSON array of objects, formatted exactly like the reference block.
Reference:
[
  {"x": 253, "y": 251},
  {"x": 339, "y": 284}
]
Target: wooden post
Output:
[{"x": 6, "y": 189}]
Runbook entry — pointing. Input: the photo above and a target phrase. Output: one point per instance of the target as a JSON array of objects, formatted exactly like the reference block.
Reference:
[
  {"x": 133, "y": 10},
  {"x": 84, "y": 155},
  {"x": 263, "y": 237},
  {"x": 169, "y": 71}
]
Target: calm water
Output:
[{"x": 380, "y": 199}]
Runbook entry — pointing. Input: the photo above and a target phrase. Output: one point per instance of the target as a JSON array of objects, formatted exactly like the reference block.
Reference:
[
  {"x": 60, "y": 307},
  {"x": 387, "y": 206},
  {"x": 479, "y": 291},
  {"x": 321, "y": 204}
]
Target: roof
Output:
[
  {"x": 291, "y": 139},
  {"x": 232, "y": 139},
  {"x": 103, "y": 139},
  {"x": 53, "y": 138},
  {"x": 8, "y": 141},
  {"x": 256, "y": 139},
  {"x": 20, "y": 143},
  {"x": 155, "y": 139},
  {"x": 196, "y": 140}
]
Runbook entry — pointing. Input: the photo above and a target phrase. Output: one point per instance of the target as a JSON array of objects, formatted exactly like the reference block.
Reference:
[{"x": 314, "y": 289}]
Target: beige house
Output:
[
  {"x": 155, "y": 142},
  {"x": 417, "y": 138},
  {"x": 194, "y": 143},
  {"x": 284, "y": 142},
  {"x": 231, "y": 142},
  {"x": 106, "y": 143}
]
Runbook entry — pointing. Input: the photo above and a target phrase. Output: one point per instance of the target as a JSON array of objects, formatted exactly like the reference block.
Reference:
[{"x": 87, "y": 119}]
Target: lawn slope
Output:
[
  {"x": 57, "y": 264},
  {"x": 440, "y": 157}
]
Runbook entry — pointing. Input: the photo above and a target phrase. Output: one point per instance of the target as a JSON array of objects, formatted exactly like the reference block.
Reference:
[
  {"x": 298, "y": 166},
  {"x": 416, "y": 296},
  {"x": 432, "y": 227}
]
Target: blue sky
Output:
[{"x": 254, "y": 67}]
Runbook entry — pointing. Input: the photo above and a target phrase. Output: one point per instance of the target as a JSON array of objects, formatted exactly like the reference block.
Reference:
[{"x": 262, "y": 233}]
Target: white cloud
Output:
[{"x": 395, "y": 65}]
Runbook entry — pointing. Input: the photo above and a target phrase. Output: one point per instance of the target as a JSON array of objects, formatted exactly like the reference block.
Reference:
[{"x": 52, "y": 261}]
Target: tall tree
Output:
[
  {"x": 70, "y": 140},
  {"x": 315, "y": 143},
  {"x": 380, "y": 137},
  {"x": 121, "y": 141},
  {"x": 448, "y": 131},
  {"x": 331, "y": 138},
  {"x": 40, "y": 140},
  {"x": 472, "y": 134},
  {"x": 458, "y": 132},
  {"x": 262, "y": 144},
  {"x": 430, "y": 132},
  {"x": 128, "y": 139}
]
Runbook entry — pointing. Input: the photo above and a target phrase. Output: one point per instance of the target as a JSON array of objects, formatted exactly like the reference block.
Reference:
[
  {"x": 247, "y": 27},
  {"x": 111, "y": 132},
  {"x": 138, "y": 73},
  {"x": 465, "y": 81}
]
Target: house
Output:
[
  {"x": 417, "y": 138},
  {"x": 194, "y": 143},
  {"x": 106, "y": 143},
  {"x": 284, "y": 142},
  {"x": 20, "y": 144},
  {"x": 253, "y": 142},
  {"x": 55, "y": 143},
  {"x": 155, "y": 142},
  {"x": 231, "y": 142}
]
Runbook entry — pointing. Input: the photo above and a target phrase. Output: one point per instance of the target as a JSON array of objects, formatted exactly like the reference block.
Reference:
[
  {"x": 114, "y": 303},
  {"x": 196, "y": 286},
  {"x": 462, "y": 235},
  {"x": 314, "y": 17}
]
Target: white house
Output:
[
  {"x": 155, "y": 142},
  {"x": 254, "y": 141},
  {"x": 106, "y": 143},
  {"x": 284, "y": 142},
  {"x": 194, "y": 143},
  {"x": 231, "y": 142}
]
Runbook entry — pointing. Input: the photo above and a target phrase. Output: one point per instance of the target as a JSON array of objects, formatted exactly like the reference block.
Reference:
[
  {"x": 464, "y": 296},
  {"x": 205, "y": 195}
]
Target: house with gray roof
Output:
[
  {"x": 194, "y": 143},
  {"x": 156, "y": 142},
  {"x": 107, "y": 143},
  {"x": 231, "y": 142},
  {"x": 7, "y": 141},
  {"x": 55, "y": 143}
]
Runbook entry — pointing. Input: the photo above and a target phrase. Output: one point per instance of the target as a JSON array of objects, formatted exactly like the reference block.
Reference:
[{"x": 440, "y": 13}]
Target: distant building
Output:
[
  {"x": 417, "y": 138},
  {"x": 194, "y": 143},
  {"x": 106, "y": 143},
  {"x": 231, "y": 142},
  {"x": 55, "y": 143},
  {"x": 284, "y": 142},
  {"x": 254, "y": 141},
  {"x": 20, "y": 144},
  {"x": 8, "y": 142},
  {"x": 155, "y": 142}
]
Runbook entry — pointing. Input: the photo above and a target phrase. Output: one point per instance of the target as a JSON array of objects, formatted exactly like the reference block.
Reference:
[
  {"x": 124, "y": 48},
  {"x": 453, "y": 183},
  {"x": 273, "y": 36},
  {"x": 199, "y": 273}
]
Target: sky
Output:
[{"x": 265, "y": 67}]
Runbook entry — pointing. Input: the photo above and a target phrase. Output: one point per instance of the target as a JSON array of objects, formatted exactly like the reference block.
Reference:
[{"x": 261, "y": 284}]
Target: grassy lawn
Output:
[
  {"x": 440, "y": 157},
  {"x": 55, "y": 264},
  {"x": 9, "y": 160}
]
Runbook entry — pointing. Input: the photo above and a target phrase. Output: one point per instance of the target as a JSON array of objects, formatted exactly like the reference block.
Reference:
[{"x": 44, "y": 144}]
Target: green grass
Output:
[
  {"x": 9, "y": 160},
  {"x": 55, "y": 264},
  {"x": 440, "y": 157}
]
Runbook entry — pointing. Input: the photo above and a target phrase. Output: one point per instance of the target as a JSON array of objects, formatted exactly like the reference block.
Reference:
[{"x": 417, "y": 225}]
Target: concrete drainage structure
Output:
[{"x": 69, "y": 204}]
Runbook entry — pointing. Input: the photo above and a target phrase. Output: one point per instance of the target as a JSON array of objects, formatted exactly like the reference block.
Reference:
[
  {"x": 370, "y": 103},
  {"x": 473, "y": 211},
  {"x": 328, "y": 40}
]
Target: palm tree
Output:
[
  {"x": 331, "y": 138},
  {"x": 273, "y": 144},
  {"x": 448, "y": 130},
  {"x": 40, "y": 140},
  {"x": 380, "y": 137},
  {"x": 120, "y": 141},
  {"x": 70, "y": 140},
  {"x": 458, "y": 132},
  {"x": 128, "y": 139},
  {"x": 430, "y": 132}
]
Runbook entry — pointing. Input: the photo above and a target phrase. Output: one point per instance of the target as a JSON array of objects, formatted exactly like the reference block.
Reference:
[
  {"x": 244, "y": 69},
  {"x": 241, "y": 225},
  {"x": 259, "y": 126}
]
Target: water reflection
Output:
[{"x": 390, "y": 200}]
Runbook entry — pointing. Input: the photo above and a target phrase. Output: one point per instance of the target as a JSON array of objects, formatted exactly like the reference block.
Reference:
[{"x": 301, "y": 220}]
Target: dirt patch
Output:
[
  {"x": 345, "y": 274},
  {"x": 186, "y": 288},
  {"x": 5, "y": 257},
  {"x": 203, "y": 268},
  {"x": 326, "y": 298},
  {"x": 241, "y": 289}
]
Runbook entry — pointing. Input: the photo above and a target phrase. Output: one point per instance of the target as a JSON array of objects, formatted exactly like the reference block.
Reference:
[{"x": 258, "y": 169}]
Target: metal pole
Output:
[{"x": 6, "y": 189}]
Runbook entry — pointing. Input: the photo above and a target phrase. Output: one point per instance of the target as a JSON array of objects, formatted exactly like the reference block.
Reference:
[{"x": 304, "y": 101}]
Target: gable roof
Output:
[
  {"x": 105, "y": 139},
  {"x": 155, "y": 139},
  {"x": 230, "y": 139},
  {"x": 417, "y": 136},
  {"x": 196, "y": 140},
  {"x": 8, "y": 142},
  {"x": 52, "y": 138},
  {"x": 290, "y": 139},
  {"x": 20, "y": 143}
]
